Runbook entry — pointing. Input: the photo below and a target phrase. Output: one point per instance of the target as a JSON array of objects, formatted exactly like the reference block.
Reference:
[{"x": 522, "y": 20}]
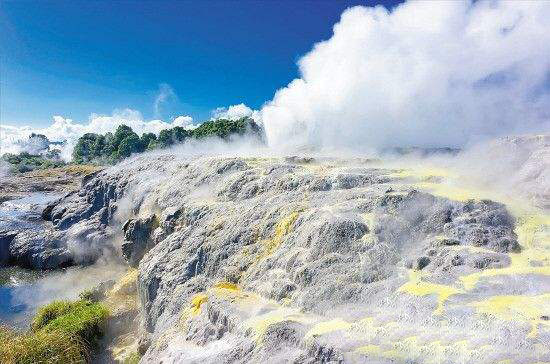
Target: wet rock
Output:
[
  {"x": 421, "y": 263},
  {"x": 138, "y": 238},
  {"x": 298, "y": 159},
  {"x": 32, "y": 249},
  {"x": 143, "y": 344},
  {"x": 6, "y": 237},
  {"x": 47, "y": 212}
]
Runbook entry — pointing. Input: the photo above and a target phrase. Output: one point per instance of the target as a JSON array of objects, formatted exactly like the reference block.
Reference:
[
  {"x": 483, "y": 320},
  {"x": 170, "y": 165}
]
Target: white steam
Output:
[{"x": 426, "y": 74}]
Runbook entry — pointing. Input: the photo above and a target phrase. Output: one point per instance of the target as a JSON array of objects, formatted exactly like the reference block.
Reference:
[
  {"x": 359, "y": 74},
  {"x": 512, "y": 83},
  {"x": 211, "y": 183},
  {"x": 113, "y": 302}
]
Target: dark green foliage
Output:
[
  {"x": 111, "y": 148},
  {"x": 165, "y": 138},
  {"x": 172, "y": 136},
  {"x": 122, "y": 132},
  {"x": 223, "y": 128},
  {"x": 130, "y": 144},
  {"x": 146, "y": 140},
  {"x": 89, "y": 147},
  {"x": 40, "y": 157}
]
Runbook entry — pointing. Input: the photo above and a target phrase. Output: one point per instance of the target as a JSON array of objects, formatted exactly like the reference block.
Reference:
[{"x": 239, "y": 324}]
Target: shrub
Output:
[
  {"x": 82, "y": 318},
  {"x": 61, "y": 332}
]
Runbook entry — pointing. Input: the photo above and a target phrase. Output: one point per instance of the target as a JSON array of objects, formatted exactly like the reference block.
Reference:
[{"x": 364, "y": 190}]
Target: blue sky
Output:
[{"x": 74, "y": 58}]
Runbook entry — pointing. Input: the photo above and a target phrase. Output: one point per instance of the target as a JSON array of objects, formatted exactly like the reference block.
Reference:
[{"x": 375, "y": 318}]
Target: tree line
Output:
[{"x": 113, "y": 147}]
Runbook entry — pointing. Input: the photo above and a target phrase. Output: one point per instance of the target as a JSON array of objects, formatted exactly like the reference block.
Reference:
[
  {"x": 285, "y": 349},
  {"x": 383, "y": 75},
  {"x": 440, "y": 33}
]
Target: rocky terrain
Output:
[
  {"x": 54, "y": 180},
  {"x": 309, "y": 259}
]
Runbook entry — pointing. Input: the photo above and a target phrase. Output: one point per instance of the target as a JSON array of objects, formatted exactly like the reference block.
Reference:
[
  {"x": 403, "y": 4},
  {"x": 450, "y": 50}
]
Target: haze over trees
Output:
[{"x": 111, "y": 148}]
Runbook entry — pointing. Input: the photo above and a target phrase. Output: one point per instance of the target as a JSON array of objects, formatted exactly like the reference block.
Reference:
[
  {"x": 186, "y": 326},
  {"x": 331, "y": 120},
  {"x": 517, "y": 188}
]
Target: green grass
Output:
[{"x": 61, "y": 332}]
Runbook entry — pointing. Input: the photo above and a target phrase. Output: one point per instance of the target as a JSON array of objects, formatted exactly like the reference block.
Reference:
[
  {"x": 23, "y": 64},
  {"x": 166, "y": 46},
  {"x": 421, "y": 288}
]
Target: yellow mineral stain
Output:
[
  {"x": 227, "y": 285},
  {"x": 196, "y": 302},
  {"x": 518, "y": 308},
  {"x": 417, "y": 287},
  {"x": 327, "y": 326},
  {"x": 413, "y": 349},
  {"x": 369, "y": 350},
  {"x": 127, "y": 283},
  {"x": 259, "y": 324},
  {"x": 422, "y": 173},
  {"x": 282, "y": 228}
]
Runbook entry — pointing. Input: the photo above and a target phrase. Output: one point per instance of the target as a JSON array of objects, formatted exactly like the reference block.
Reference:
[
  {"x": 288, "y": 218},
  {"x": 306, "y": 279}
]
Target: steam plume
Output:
[{"x": 425, "y": 74}]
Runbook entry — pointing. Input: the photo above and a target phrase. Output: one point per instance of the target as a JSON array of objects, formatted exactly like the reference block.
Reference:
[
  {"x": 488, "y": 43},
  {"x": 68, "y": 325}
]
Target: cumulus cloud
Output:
[
  {"x": 12, "y": 138},
  {"x": 185, "y": 122},
  {"x": 425, "y": 74},
  {"x": 233, "y": 112}
]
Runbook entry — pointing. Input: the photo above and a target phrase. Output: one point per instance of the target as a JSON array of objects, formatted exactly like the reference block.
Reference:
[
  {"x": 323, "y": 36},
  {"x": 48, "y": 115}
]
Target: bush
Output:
[
  {"x": 81, "y": 318},
  {"x": 61, "y": 332}
]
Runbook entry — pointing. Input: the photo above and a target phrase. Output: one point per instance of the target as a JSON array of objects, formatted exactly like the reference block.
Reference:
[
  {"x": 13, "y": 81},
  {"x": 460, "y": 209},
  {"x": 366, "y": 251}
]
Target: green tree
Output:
[
  {"x": 83, "y": 152},
  {"x": 98, "y": 146},
  {"x": 108, "y": 149},
  {"x": 146, "y": 140},
  {"x": 223, "y": 128},
  {"x": 165, "y": 138},
  {"x": 121, "y": 133},
  {"x": 130, "y": 144}
]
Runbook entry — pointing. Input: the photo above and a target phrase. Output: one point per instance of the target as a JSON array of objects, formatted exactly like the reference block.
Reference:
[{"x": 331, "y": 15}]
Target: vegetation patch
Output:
[
  {"x": 25, "y": 162},
  {"x": 61, "y": 332}
]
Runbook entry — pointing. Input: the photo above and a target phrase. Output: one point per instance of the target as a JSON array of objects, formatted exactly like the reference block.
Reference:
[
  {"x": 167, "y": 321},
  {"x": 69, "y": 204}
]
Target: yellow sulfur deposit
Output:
[
  {"x": 281, "y": 229},
  {"x": 417, "y": 287},
  {"x": 512, "y": 308},
  {"x": 326, "y": 327},
  {"x": 196, "y": 303},
  {"x": 533, "y": 233},
  {"x": 227, "y": 285}
]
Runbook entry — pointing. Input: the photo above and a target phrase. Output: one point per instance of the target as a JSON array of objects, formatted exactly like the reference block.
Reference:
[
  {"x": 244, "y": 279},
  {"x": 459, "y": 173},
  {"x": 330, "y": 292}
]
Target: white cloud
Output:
[
  {"x": 233, "y": 112},
  {"x": 427, "y": 73},
  {"x": 185, "y": 122}
]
